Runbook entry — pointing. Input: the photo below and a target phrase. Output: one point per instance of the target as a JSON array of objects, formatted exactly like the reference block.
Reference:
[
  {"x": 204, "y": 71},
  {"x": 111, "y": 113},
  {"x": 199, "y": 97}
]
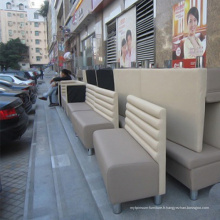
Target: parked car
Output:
[
  {"x": 23, "y": 74},
  {"x": 0, "y": 185},
  {"x": 31, "y": 89},
  {"x": 17, "y": 79},
  {"x": 22, "y": 94},
  {"x": 13, "y": 119}
]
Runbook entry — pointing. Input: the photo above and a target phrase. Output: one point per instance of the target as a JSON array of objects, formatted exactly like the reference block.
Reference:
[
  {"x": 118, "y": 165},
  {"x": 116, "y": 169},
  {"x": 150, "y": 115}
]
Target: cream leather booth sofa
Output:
[
  {"x": 98, "y": 110},
  {"x": 133, "y": 160},
  {"x": 193, "y": 143}
]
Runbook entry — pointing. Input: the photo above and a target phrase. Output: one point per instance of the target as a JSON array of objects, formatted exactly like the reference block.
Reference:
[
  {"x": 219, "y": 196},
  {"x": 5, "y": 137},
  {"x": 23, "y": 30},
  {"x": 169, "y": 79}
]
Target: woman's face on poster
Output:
[{"x": 192, "y": 24}]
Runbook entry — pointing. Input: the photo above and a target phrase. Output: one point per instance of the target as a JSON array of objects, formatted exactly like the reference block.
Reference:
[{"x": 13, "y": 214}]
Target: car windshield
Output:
[{"x": 20, "y": 78}]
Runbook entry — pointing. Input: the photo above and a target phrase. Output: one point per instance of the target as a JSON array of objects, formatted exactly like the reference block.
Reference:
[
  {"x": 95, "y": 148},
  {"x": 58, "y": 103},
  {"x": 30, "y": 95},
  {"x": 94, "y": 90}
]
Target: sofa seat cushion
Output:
[
  {"x": 191, "y": 159},
  {"x": 86, "y": 122},
  {"x": 78, "y": 106},
  {"x": 129, "y": 172}
]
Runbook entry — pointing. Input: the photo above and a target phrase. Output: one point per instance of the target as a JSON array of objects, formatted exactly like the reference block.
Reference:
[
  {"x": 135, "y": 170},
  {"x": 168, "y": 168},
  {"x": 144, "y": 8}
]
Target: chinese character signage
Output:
[
  {"x": 189, "y": 32},
  {"x": 127, "y": 38}
]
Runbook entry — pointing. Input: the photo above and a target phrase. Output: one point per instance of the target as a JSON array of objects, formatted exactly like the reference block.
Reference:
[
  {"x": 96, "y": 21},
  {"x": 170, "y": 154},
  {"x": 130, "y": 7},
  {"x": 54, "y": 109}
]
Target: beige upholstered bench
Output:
[
  {"x": 63, "y": 91},
  {"x": 88, "y": 104},
  {"x": 191, "y": 99},
  {"x": 102, "y": 115},
  {"x": 133, "y": 160}
]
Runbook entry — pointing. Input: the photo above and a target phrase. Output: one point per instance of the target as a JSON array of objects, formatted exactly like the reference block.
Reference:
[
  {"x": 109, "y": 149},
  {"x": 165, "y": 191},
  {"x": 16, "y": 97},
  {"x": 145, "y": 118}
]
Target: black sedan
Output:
[
  {"x": 31, "y": 89},
  {"x": 23, "y": 95},
  {"x": 13, "y": 119}
]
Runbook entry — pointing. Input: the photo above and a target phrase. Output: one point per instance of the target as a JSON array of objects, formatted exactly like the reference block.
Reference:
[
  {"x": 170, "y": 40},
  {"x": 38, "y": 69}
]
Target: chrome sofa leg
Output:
[
  {"x": 157, "y": 200},
  {"x": 90, "y": 151},
  {"x": 117, "y": 208},
  {"x": 194, "y": 194}
]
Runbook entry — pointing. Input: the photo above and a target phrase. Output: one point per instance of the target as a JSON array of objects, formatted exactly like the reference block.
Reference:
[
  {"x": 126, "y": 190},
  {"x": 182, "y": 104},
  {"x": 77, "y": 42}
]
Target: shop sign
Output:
[{"x": 189, "y": 32}]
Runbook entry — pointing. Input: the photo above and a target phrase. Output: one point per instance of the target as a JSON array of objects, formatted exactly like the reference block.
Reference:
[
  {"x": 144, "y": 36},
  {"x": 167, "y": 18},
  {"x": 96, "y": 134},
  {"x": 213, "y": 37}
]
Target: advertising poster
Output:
[
  {"x": 189, "y": 32},
  {"x": 126, "y": 32}
]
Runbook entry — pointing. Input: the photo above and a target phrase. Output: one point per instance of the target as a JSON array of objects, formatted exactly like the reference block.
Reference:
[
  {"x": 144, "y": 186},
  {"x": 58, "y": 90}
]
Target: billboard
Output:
[
  {"x": 126, "y": 38},
  {"x": 189, "y": 32}
]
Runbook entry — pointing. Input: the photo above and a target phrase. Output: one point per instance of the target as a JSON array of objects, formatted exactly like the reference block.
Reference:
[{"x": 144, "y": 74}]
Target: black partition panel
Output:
[
  {"x": 105, "y": 79},
  {"x": 91, "y": 77},
  {"x": 76, "y": 93}
]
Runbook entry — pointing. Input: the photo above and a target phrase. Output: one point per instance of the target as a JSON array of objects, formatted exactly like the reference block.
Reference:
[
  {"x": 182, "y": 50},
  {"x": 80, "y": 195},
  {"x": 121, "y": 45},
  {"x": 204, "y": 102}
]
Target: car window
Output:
[
  {"x": 20, "y": 78},
  {"x": 7, "y": 78}
]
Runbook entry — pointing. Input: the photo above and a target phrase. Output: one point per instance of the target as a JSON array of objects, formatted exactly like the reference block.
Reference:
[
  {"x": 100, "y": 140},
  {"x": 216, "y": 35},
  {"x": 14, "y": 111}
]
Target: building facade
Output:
[
  {"x": 93, "y": 31},
  {"x": 22, "y": 20}
]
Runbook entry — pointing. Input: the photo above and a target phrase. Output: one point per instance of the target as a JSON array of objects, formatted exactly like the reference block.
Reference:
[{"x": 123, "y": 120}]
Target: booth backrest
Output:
[
  {"x": 105, "y": 79},
  {"x": 91, "y": 77},
  {"x": 106, "y": 104},
  {"x": 182, "y": 93},
  {"x": 127, "y": 82},
  {"x": 63, "y": 85},
  {"x": 146, "y": 123},
  {"x": 213, "y": 85},
  {"x": 90, "y": 94}
]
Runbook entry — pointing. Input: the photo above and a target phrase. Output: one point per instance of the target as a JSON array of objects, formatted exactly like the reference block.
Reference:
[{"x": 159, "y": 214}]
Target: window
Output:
[
  {"x": 8, "y": 5},
  {"x": 10, "y": 33},
  {"x": 37, "y": 41},
  {"x": 22, "y": 24},
  {"x": 21, "y": 7},
  {"x": 38, "y": 58},
  {"x": 10, "y": 23},
  {"x": 21, "y": 15},
  {"x": 22, "y": 33},
  {"x": 36, "y": 24},
  {"x": 23, "y": 64},
  {"x": 23, "y": 41},
  {"x": 7, "y": 78},
  {"x": 36, "y": 15},
  {"x": 32, "y": 3},
  {"x": 37, "y": 50},
  {"x": 37, "y": 33},
  {"x": 9, "y": 14}
]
